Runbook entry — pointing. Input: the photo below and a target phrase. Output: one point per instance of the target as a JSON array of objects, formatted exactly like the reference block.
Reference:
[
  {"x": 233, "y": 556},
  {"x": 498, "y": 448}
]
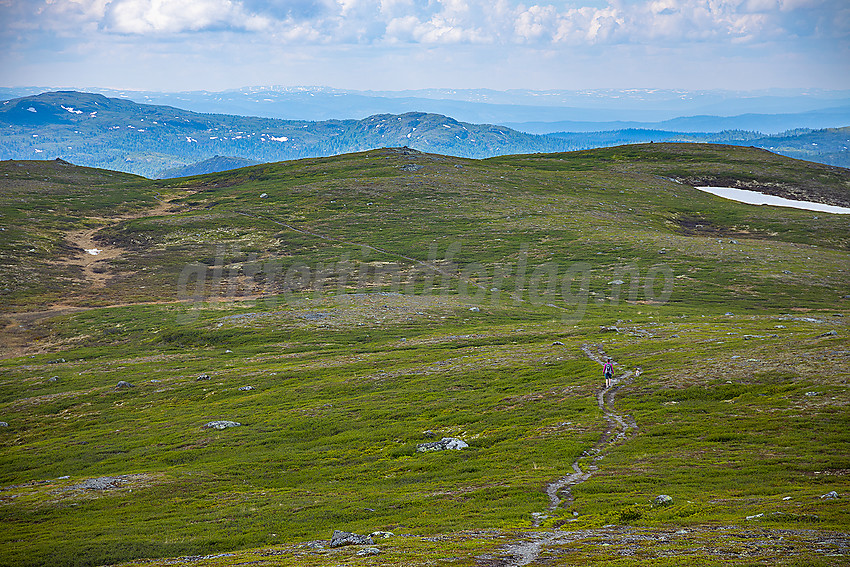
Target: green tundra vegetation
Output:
[{"x": 344, "y": 310}]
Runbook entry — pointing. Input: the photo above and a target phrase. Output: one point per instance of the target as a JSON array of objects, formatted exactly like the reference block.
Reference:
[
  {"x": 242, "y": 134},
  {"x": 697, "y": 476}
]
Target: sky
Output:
[{"x": 179, "y": 45}]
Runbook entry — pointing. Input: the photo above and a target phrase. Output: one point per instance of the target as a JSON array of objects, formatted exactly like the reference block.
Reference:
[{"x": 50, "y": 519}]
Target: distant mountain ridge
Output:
[
  {"x": 94, "y": 130},
  {"x": 535, "y": 112}
]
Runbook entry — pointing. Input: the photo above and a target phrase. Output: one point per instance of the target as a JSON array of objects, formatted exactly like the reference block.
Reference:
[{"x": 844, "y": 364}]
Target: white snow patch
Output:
[
  {"x": 38, "y": 151},
  {"x": 756, "y": 198},
  {"x": 281, "y": 139},
  {"x": 31, "y": 109},
  {"x": 188, "y": 139},
  {"x": 71, "y": 109},
  {"x": 93, "y": 251}
]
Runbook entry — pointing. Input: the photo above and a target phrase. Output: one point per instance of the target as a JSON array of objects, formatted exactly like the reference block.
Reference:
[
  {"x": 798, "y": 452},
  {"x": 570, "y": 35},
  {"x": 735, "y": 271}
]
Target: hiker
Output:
[{"x": 608, "y": 372}]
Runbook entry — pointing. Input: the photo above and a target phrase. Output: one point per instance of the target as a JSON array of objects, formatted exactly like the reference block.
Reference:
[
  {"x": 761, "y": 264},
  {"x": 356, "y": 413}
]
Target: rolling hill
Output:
[{"x": 224, "y": 369}]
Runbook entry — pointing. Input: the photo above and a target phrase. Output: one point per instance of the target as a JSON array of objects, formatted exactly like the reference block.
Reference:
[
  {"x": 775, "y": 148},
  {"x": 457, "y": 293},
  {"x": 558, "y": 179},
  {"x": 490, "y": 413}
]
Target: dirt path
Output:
[
  {"x": 92, "y": 255},
  {"x": 525, "y": 553}
]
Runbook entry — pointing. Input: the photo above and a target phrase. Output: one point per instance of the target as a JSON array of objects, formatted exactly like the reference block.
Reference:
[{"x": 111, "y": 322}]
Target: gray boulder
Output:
[
  {"x": 221, "y": 424},
  {"x": 442, "y": 445},
  {"x": 367, "y": 551},
  {"x": 341, "y": 538},
  {"x": 662, "y": 500},
  {"x": 831, "y": 495}
]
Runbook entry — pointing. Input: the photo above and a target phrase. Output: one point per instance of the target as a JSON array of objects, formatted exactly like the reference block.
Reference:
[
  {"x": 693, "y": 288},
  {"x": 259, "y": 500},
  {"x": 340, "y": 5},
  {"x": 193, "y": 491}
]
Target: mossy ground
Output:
[{"x": 317, "y": 296}]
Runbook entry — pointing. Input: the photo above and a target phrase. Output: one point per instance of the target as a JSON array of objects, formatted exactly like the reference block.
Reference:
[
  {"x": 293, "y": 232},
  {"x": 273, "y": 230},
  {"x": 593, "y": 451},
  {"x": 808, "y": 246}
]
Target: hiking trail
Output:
[{"x": 617, "y": 427}]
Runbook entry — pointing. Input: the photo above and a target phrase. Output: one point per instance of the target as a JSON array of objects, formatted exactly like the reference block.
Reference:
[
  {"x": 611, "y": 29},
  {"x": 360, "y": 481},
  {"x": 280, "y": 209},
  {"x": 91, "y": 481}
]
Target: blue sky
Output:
[{"x": 408, "y": 44}]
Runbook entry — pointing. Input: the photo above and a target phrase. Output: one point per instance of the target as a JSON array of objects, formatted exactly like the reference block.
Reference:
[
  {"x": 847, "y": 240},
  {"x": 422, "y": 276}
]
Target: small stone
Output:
[
  {"x": 246, "y": 388},
  {"x": 228, "y": 351},
  {"x": 341, "y": 538},
  {"x": 812, "y": 393},
  {"x": 411, "y": 167},
  {"x": 787, "y": 498},
  {"x": 662, "y": 500},
  {"x": 729, "y": 314},
  {"x": 443, "y": 444},
  {"x": 3, "y": 424},
  {"x": 828, "y": 334},
  {"x": 123, "y": 384},
  {"x": 786, "y": 271},
  {"x": 381, "y": 535},
  {"x": 367, "y": 551},
  {"x": 616, "y": 282},
  {"x": 755, "y": 517},
  {"x": 221, "y": 424},
  {"x": 474, "y": 309},
  {"x": 203, "y": 377},
  {"x": 53, "y": 379},
  {"x": 264, "y": 196},
  {"x": 429, "y": 434},
  {"x": 557, "y": 343},
  {"x": 830, "y": 495}
]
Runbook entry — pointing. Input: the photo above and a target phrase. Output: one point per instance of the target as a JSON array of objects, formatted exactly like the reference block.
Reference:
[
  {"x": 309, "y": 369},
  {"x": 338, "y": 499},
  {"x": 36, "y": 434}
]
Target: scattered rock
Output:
[
  {"x": 442, "y": 445},
  {"x": 787, "y": 498},
  {"x": 53, "y": 379},
  {"x": 228, "y": 351},
  {"x": 733, "y": 242},
  {"x": 221, "y": 424},
  {"x": 605, "y": 329},
  {"x": 203, "y": 377},
  {"x": 756, "y": 517},
  {"x": 367, "y": 551},
  {"x": 786, "y": 271},
  {"x": 429, "y": 434},
  {"x": 123, "y": 384},
  {"x": 616, "y": 282},
  {"x": 246, "y": 388},
  {"x": 812, "y": 393},
  {"x": 729, "y": 314},
  {"x": 381, "y": 535},
  {"x": 264, "y": 196},
  {"x": 474, "y": 309},
  {"x": 662, "y": 500},
  {"x": 411, "y": 167},
  {"x": 3, "y": 424},
  {"x": 341, "y": 538},
  {"x": 557, "y": 343},
  {"x": 828, "y": 334},
  {"x": 830, "y": 495},
  {"x": 102, "y": 483}
]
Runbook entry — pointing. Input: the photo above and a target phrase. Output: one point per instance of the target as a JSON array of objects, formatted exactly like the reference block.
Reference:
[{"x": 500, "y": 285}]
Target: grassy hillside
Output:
[{"x": 380, "y": 300}]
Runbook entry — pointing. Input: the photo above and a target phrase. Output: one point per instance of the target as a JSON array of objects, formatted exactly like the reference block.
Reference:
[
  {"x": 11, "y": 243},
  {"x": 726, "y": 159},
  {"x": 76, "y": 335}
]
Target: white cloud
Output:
[
  {"x": 174, "y": 16},
  {"x": 443, "y": 21}
]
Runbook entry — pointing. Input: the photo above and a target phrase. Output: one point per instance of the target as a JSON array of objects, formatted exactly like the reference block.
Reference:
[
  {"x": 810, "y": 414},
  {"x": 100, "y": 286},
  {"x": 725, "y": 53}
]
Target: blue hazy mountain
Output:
[
  {"x": 94, "y": 130},
  {"x": 769, "y": 111}
]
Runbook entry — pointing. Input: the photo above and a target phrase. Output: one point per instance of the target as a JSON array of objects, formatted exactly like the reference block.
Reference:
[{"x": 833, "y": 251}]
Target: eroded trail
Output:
[{"x": 617, "y": 428}]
